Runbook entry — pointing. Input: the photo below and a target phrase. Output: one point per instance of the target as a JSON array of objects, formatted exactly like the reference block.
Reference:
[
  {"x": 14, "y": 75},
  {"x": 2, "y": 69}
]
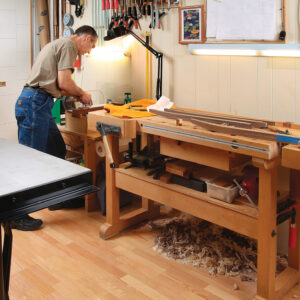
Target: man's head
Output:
[{"x": 85, "y": 38}]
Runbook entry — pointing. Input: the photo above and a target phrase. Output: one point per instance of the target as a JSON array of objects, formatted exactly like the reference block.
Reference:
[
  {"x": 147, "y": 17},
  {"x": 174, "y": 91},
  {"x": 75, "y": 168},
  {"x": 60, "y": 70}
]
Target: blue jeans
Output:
[{"x": 36, "y": 126}]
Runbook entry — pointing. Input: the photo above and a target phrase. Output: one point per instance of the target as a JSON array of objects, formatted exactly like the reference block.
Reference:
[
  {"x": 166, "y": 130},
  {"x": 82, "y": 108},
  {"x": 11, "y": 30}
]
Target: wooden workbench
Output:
[
  {"x": 85, "y": 144},
  {"x": 222, "y": 151}
]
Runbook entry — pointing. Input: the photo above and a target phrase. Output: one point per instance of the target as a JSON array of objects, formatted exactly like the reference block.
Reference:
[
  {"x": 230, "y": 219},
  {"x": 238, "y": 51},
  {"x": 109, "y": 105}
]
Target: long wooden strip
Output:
[
  {"x": 77, "y": 112},
  {"x": 254, "y": 122},
  {"x": 236, "y": 131},
  {"x": 187, "y": 117},
  {"x": 288, "y": 139}
]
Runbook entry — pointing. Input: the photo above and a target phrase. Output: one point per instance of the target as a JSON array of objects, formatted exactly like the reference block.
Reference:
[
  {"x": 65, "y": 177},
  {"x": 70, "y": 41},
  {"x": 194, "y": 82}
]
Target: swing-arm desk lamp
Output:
[{"x": 121, "y": 31}]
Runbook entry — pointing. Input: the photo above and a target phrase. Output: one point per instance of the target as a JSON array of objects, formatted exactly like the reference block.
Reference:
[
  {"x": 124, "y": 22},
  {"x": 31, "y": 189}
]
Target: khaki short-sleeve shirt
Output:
[{"x": 56, "y": 56}]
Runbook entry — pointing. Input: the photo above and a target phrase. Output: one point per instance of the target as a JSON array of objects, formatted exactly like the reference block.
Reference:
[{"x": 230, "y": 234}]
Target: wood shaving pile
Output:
[{"x": 190, "y": 240}]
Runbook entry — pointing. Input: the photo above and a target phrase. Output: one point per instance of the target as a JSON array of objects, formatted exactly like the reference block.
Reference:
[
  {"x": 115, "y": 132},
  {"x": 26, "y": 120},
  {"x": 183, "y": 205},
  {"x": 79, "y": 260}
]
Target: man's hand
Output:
[
  {"x": 68, "y": 87},
  {"x": 86, "y": 99}
]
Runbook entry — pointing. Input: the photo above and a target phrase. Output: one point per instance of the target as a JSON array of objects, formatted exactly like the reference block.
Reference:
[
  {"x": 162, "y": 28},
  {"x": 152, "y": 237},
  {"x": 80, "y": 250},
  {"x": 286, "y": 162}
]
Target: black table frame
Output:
[{"x": 16, "y": 205}]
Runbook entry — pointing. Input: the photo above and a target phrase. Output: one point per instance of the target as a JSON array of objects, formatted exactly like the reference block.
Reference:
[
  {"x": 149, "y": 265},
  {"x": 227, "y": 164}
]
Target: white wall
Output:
[
  {"x": 104, "y": 79},
  {"x": 14, "y": 59},
  {"x": 252, "y": 86},
  {"x": 263, "y": 87}
]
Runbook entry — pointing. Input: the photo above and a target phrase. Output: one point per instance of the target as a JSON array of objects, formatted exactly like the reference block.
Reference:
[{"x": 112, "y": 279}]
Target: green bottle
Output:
[{"x": 127, "y": 99}]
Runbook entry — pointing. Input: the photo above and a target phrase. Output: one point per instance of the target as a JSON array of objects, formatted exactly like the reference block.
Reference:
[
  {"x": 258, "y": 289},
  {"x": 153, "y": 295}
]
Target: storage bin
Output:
[{"x": 224, "y": 193}]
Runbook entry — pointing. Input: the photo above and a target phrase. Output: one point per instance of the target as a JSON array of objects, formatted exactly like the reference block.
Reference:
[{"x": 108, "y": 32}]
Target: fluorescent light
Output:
[
  {"x": 286, "y": 53},
  {"x": 224, "y": 52},
  {"x": 284, "y": 50}
]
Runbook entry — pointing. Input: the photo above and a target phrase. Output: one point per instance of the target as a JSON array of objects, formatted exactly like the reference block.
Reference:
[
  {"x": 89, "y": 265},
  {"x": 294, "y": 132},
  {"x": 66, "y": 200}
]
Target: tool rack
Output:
[{"x": 222, "y": 151}]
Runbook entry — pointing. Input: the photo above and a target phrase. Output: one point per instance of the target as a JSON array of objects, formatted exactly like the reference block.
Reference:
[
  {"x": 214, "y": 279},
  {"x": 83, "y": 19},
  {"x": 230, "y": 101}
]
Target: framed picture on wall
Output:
[{"x": 191, "y": 24}]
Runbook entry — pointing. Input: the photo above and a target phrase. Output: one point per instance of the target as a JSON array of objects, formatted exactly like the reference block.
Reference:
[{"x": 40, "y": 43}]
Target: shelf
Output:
[{"x": 239, "y": 216}]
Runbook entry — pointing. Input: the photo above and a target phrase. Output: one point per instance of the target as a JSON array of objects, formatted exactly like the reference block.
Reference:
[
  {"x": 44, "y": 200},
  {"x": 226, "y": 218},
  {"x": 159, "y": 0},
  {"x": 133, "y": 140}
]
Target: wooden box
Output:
[{"x": 76, "y": 124}]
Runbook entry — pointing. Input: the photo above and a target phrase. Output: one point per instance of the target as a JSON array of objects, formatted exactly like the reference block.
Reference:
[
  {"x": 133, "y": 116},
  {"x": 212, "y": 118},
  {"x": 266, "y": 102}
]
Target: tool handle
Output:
[
  {"x": 279, "y": 130},
  {"x": 149, "y": 10},
  {"x": 103, "y": 5},
  {"x": 134, "y": 12},
  {"x": 144, "y": 10},
  {"x": 107, "y": 4},
  {"x": 136, "y": 25},
  {"x": 116, "y": 4},
  {"x": 108, "y": 152},
  {"x": 129, "y": 11},
  {"x": 112, "y": 4},
  {"x": 160, "y": 15},
  {"x": 130, "y": 24},
  {"x": 111, "y": 24},
  {"x": 292, "y": 236}
]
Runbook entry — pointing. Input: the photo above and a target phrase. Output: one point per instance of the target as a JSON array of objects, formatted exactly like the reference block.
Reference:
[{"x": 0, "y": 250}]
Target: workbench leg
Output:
[
  {"x": 114, "y": 222},
  {"x": 112, "y": 193},
  {"x": 91, "y": 160},
  {"x": 147, "y": 204},
  {"x": 294, "y": 254},
  {"x": 266, "y": 243},
  {"x": 151, "y": 207}
]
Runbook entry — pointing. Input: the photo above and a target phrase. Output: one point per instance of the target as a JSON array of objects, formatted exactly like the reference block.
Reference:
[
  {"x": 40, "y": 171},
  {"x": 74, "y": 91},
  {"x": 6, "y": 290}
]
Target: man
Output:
[{"x": 50, "y": 78}]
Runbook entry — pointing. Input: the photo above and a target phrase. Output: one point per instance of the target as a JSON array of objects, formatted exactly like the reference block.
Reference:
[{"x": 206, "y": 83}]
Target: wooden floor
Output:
[{"x": 66, "y": 259}]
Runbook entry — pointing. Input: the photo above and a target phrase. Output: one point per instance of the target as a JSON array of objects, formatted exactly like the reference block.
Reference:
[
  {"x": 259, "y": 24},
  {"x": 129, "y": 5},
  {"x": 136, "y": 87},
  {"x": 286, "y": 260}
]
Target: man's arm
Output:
[{"x": 68, "y": 87}]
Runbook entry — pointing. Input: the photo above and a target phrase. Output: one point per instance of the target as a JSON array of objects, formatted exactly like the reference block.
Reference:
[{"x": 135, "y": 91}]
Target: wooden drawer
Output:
[{"x": 203, "y": 155}]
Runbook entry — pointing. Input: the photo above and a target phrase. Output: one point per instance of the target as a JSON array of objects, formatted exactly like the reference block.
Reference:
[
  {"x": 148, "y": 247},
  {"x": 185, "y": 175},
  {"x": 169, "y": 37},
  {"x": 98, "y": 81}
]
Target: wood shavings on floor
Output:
[{"x": 190, "y": 240}]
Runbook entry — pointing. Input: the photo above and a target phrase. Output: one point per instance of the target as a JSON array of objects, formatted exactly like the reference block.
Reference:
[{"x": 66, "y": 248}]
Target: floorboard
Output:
[{"x": 66, "y": 259}]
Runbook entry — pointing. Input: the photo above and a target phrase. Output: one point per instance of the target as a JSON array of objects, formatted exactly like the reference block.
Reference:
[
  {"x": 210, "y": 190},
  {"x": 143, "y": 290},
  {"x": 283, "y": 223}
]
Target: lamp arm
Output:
[
  {"x": 159, "y": 56},
  {"x": 159, "y": 78},
  {"x": 156, "y": 53}
]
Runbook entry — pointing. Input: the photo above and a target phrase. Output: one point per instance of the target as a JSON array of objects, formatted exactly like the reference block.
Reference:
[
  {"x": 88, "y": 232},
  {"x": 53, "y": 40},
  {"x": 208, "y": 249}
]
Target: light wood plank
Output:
[
  {"x": 83, "y": 266},
  {"x": 193, "y": 134},
  {"x": 209, "y": 209}
]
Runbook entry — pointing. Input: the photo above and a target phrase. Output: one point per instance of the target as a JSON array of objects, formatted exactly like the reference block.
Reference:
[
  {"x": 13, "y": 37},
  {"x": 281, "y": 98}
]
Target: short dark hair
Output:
[{"x": 86, "y": 29}]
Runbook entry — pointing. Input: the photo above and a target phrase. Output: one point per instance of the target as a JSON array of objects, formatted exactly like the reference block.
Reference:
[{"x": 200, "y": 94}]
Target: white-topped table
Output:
[{"x": 31, "y": 180}]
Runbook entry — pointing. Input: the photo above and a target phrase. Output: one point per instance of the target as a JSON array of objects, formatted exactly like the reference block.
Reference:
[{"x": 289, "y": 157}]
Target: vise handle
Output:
[{"x": 105, "y": 129}]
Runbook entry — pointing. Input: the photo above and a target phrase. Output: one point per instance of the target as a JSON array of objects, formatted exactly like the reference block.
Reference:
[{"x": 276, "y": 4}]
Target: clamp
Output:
[{"x": 244, "y": 193}]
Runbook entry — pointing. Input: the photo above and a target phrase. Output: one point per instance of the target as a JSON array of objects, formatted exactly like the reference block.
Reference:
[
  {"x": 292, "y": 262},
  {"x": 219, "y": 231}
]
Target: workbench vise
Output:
[{"x": 105, "y": 129}]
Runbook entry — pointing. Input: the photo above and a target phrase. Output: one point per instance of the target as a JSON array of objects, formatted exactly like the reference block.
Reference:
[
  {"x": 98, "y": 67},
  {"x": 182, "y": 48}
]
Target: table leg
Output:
[
  {"x": 7, "y": 249},
  {"x": 294, "y": 254},
  {"x": 91, "y": 161},
  {"x": 5, "y": 260},
  {"x": 266, "y": 243}
]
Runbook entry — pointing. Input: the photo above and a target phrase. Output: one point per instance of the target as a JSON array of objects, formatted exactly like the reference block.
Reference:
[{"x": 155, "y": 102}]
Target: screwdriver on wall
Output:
[
  {"x": 129, "y": 9},
  {"x": 117, "y": 18},
  {"x": 144, "y": 7}
]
